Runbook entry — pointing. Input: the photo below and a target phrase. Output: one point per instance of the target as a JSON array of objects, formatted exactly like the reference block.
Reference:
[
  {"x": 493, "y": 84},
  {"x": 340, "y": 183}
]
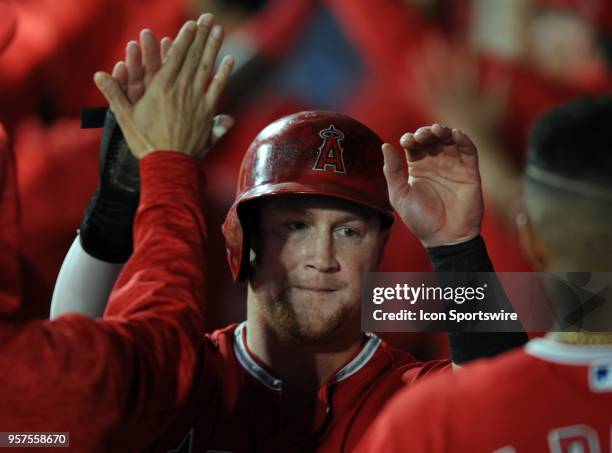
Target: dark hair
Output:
[{"x": 575, "y": 141}]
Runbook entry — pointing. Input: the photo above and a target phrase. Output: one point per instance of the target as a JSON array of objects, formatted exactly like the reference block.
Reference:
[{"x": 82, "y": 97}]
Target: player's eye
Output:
[
  {"x": 348, "y": 233},
  {"x": 296, "y": 226}
]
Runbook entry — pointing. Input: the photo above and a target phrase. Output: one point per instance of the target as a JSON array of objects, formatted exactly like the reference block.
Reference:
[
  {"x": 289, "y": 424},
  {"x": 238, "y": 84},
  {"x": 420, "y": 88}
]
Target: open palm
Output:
[
  {"x": 142, "y": 61},
  {"x": 441, "y": 199}
]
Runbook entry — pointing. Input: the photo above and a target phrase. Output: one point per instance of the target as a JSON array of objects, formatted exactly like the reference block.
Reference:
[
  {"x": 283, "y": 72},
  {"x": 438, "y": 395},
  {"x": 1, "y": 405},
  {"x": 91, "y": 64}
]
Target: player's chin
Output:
[
  {"x": 313, "y": 333},
  {"x": 318, "y": 323}
]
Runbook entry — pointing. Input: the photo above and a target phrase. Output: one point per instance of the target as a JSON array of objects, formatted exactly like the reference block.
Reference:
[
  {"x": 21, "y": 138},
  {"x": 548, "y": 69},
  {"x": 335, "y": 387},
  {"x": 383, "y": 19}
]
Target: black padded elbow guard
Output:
[{"x": 106, "y": 230}]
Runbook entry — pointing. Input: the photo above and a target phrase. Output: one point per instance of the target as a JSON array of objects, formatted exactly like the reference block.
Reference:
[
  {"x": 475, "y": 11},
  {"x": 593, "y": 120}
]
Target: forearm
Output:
[
  {"x": 169, "y": 237},
  {"x": 472, "y": 257},
  {"x": 83, "y": 284}
]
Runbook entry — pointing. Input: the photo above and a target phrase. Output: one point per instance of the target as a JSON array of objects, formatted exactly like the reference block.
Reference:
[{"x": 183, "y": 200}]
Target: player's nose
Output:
[{"x": 320, "y": 252}]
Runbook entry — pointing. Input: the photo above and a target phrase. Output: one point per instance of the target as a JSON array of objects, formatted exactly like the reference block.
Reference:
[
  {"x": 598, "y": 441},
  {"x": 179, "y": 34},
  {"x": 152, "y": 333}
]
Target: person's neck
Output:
[{"x": 302, "y": 367}]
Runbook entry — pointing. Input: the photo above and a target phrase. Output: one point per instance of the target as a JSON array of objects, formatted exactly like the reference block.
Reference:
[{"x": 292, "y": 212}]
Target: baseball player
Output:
[
  {"x": 557, "y": 391},
  {"x": 110, "y": 383},
  {"x": 312, "y": 213}
]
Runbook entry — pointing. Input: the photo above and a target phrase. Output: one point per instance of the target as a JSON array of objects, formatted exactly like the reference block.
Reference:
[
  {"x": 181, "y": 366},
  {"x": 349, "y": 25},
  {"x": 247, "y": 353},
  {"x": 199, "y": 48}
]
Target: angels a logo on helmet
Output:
[{"x": 330, "y": 152}]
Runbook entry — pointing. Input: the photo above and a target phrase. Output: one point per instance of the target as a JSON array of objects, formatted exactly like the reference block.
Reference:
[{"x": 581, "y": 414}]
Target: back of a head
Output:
[{"x": 568, "y": 183}]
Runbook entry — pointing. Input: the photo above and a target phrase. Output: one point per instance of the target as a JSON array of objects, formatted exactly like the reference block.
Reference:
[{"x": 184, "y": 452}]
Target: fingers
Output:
[
  {"x": 195, "y": 52},
  {"x": 464, "y": 144},
  {"x": 428, "y": 140},
  {"x": 207, "y": 63},
  {"x": 135, "y": 71},
  {"x": 413, "y": 149},
  {"x": 220, "y": 80},
  {"x": 177, "y": 53},
  {"x": 433, "y": 134},
  {"x": 151, "y": 59},
  {"x": 120, "y": 75},
  {"x": 165, "y": 47},
  {"x": 443, "y": 133},
  {"x": 113, "y": 93},
  {"x": 394, "y": 171}
]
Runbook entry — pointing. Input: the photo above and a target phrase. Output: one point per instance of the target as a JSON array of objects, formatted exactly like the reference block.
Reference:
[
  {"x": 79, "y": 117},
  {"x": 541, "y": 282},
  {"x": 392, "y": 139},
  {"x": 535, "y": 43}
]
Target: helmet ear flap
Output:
[
  {"x": 248, "y": 216},
  {"x": 241, "y": 223}
]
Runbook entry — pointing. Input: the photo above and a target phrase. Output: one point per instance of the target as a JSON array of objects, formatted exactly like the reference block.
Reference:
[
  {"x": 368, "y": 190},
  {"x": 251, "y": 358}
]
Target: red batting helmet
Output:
[{"x": 319, "y": 153}]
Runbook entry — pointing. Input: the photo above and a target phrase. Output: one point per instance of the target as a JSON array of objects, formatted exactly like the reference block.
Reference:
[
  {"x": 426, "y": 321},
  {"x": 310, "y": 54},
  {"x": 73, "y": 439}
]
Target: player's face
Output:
[{"x": 308, "y": 257}]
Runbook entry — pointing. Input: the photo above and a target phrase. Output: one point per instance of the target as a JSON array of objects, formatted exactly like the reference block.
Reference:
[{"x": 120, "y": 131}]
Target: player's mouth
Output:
[{"x": 316, "y": 289}]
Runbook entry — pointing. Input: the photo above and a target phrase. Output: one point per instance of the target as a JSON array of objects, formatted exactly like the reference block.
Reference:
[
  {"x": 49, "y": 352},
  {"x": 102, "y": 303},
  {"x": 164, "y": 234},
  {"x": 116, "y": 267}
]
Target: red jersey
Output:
[
  {"x": 112, "y": 383},
  {"x": 236, "y": 404},
  {"x": 547, "y": 397}
]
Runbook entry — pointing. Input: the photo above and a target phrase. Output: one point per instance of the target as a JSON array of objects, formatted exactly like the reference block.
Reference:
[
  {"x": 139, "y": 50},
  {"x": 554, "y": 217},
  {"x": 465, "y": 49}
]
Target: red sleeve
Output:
[
  {"x": 10, "y": 288},
  {"x": 116, "y": 383}
]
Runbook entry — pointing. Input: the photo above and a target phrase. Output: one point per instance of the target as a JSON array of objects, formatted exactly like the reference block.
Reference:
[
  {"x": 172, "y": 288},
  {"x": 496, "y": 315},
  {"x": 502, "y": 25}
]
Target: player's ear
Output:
[{"x": 533, "y": 247}]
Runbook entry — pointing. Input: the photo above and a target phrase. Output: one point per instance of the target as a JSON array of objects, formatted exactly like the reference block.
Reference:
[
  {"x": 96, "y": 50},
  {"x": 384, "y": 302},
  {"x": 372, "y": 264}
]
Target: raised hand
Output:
[
  {"x": 441, "y": 199},
  {"x": 142, "y": 61},
  {"x": 176, "y": 110}
]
